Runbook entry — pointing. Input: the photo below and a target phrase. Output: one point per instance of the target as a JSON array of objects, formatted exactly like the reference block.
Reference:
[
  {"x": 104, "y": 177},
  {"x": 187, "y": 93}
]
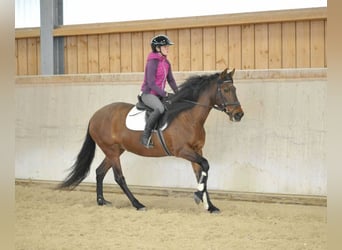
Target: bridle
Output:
[{"x": 224, "y": 103}]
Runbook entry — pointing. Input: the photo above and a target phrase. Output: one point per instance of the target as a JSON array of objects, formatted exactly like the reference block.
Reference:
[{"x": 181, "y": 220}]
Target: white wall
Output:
[{"x": 278, "y": 147}]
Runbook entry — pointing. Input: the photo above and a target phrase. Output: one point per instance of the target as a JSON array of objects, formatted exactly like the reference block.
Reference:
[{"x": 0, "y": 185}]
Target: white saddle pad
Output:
[{"x": 135, "y": 120}]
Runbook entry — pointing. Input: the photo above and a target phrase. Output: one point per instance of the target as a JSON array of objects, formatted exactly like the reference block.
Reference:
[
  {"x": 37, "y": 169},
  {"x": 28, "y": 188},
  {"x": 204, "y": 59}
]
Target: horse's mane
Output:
[{"x": 188, "y": 93}]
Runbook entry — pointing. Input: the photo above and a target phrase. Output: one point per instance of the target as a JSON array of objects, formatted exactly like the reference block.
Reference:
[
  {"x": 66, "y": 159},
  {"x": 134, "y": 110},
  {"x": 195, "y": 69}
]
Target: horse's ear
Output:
[
  {"x": 224, "y": 73},
  {"x": 232, "y": 72}
]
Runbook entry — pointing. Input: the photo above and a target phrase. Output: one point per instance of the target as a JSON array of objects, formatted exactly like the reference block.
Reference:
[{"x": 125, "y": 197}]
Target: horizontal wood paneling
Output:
[
  {"x": 267, "y": 40},
  {"x": 192, "y": 22}
]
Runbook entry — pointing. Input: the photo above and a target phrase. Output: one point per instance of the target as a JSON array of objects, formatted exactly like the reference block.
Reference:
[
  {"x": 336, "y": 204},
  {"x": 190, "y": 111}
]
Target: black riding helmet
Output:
[{"x": 160, "y": 40}]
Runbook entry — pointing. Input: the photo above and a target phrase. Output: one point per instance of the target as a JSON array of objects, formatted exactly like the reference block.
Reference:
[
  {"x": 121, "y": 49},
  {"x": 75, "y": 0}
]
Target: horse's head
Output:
[{"x": 226, "y": 99}]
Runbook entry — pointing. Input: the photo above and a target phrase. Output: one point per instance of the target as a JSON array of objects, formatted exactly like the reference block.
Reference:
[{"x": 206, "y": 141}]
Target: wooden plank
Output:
[
  {"x": 193, "y": 22},
  {"x": 174, "y": 49},
  {"x": 126, "y": 52},
  {"x": 22, "y": 57},
  {"x": 221, "y": 53},
  {"x": 317, "y": 44},
  {"x": 104, "y": 53},
  {"x": 65, "y": 56},
  {"x": 27, "y": 32},
  {"x": 147, "y": 37},
  {"x": 196, "y": 49},
  {"x": 275, "y": 46},
  {"x": 325, "y": 43},
  {"x": 93, "y": 54},
  {"x": 289, "y": 45},
  {"x": 248, "y": 52},
  {"x": 303, "y": 44},
  {"x": 66, "y": 61},
  {"x": 38, "y": 56},
  {"x": 82, "y": 55},
  {"x": 261, "y": 46},
  {"x": 114, "y": 53},
  {"x": 71, "y": 61},
  {"x": 209, "y": 49},
  {"x": 16, "y": 57},
  {"x": 235, "y": 47},
  {"x": 184, "y": 50},
  {"x": 137, "y": 52},
  {"x": 159, "y": 32},
  {"x": 32, "y": 64}
]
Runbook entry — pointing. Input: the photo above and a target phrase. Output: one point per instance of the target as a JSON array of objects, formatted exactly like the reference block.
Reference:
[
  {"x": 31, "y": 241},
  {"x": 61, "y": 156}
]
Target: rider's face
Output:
[{"x": 164, "y": 50}]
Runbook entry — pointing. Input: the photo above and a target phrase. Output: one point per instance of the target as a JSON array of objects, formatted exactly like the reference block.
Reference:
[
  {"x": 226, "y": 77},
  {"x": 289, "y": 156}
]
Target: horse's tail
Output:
[{"x": 80, "y": 169}]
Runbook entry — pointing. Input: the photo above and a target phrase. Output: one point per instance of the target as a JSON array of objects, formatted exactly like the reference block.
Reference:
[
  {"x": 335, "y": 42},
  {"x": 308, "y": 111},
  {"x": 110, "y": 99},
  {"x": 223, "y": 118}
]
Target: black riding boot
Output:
[{"x": 150, "y": 123}]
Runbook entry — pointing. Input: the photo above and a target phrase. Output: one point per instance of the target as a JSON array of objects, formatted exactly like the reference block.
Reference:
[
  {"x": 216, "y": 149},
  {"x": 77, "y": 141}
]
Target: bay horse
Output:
[{"x": 184, "y": 135}]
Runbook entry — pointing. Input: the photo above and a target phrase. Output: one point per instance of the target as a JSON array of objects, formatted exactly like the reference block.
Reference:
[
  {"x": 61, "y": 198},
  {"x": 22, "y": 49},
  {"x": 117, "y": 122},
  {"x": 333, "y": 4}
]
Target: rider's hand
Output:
[
  {"x": 166, "y": 98},
  {"x": 169, "y": 95}
]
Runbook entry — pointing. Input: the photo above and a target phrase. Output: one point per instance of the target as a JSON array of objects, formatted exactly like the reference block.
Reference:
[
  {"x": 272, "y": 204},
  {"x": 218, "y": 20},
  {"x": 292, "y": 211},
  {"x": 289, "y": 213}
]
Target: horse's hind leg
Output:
[
  {"x": 120, "y": 179},
  {"x": 113, "y": 153},
  {"x": 101, "y": 172}
]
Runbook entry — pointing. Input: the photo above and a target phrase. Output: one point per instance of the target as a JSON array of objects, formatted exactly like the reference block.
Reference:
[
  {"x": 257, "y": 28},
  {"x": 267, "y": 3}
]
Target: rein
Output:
[{"x": 206, "y": 106}]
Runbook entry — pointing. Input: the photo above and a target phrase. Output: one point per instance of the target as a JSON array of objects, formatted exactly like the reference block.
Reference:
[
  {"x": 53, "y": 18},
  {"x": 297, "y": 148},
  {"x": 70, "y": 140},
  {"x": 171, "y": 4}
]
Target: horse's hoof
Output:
[
  {"x": 197, "y": 197},
  {"x": 197, "y": 200},
  {"x": 138, "y": 205},
  {"x": 101, "y": 201},
  {"x": 141, "y": 209},
  {"x": 214, "y": 210}
]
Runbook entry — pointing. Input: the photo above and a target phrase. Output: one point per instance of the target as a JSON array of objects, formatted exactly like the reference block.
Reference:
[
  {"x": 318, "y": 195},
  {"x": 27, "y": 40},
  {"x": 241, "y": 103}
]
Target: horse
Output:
[{"x": 184, "y": 136}]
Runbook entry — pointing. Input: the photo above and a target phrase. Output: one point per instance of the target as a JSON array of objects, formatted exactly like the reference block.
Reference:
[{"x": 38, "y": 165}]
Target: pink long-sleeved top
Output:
[{"x": 157, "y": 72}]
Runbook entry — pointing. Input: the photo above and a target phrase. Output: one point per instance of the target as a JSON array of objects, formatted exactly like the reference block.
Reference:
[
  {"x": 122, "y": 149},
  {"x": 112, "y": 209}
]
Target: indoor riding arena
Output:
[{"x": 268, "y": 172}]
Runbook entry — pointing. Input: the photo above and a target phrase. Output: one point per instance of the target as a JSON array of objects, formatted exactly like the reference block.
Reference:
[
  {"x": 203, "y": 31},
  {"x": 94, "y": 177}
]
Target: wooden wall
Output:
[{"x": 262, "y": 40}]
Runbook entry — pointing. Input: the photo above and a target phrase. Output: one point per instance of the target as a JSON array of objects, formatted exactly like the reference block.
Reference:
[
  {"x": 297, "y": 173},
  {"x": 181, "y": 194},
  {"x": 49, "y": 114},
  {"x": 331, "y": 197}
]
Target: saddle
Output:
[
  {"x": 142, "y": 106},
  {"x": 137, "y": 116}
]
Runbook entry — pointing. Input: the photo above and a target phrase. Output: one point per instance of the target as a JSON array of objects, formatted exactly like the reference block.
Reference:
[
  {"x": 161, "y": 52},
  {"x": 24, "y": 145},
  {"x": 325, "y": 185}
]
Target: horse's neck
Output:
[{"x": 200, "y": 112}]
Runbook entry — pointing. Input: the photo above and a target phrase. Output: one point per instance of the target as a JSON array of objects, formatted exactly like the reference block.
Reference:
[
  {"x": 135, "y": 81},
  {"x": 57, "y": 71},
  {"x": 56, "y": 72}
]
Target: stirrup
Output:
[{"x": 149, "y": 143}]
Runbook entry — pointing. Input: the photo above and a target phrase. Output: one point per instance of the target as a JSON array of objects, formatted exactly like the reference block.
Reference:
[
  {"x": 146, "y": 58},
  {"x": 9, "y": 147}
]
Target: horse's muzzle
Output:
[{"x": 236, "y": 114}]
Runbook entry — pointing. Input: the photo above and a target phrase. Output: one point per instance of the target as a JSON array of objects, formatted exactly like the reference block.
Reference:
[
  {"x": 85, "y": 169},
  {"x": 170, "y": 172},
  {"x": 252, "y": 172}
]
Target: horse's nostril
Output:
[{"x": 238, "y": 116}]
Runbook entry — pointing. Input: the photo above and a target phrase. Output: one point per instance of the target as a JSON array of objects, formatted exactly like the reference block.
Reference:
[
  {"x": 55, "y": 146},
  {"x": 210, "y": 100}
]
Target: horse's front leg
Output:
[
  {"x": 202, "y": 195},
  {"x": 201, "y": 169}
]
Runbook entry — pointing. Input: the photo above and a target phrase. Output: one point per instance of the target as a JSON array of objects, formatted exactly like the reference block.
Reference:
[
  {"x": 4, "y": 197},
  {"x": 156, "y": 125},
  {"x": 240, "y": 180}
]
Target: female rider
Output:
[{"x": 157, "y": 72}]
